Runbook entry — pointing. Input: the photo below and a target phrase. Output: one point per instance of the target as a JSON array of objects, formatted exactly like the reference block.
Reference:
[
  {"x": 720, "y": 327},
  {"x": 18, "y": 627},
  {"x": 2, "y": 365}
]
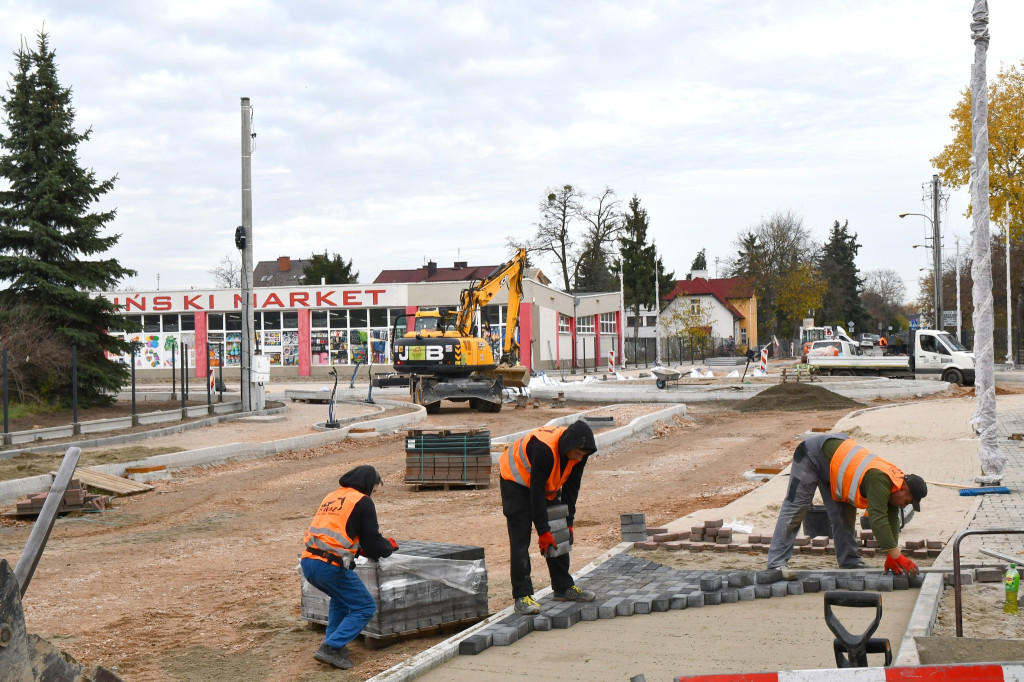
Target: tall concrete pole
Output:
[
  {"x": 1009, "y": 304},
  {"x": 622, "y": 317},
  {"x": 657, "y": 316},
  {"x": 937, "y": 252},
  {"x": 247, "y": 328}
]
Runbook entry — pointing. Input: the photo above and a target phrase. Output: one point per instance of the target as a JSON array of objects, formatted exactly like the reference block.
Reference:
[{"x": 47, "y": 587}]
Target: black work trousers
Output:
[{"x": 515, "y": 503}]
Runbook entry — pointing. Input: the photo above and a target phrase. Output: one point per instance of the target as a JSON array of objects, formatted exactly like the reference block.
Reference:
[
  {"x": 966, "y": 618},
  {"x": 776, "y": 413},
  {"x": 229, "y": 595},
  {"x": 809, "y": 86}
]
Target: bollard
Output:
[
  {"x": 135, "y": 417},
  {"x": 75, "y": 427}
]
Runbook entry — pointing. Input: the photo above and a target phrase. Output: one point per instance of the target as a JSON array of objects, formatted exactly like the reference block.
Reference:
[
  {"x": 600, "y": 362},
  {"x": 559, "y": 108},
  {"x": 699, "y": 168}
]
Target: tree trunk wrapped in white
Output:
[{"x": 992, "y": 460}]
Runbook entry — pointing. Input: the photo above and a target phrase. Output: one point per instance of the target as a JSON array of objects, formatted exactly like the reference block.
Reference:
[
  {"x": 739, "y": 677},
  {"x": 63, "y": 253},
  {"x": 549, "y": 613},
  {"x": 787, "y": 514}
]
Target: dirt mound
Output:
[{"x": 794, "y": 398}]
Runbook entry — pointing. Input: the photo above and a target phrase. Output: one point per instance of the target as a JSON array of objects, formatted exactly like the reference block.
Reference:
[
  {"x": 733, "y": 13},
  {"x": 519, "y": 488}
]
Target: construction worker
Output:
[
  {"x": 882, "y": 343},
  {"x": 849, "y": 478},
  {"x": 542, "y": 469},
  {"x": 344, "y": 526}
]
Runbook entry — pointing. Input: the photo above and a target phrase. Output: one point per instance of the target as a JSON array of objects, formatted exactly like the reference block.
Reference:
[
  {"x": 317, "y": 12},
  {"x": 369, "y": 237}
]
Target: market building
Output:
[{"x": 306, "y": 330}]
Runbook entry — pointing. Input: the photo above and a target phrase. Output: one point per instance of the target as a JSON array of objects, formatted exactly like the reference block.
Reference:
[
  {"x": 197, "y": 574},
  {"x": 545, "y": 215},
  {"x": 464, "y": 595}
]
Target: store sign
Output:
[{"x": 262, "y": 299}]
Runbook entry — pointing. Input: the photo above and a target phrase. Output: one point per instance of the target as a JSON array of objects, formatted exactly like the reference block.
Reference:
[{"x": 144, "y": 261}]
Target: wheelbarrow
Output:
[{"x": 663, "y": 375}]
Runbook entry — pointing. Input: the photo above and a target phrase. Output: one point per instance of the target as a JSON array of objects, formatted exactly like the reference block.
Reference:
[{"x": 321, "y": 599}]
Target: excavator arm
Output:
[{"x": 508, "y": 274}]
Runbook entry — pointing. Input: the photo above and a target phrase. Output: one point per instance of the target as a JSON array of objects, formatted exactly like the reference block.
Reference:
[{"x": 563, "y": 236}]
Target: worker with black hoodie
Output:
[
  {"x": 344, "y": 526},
  {"x": 541, "y": 469}
]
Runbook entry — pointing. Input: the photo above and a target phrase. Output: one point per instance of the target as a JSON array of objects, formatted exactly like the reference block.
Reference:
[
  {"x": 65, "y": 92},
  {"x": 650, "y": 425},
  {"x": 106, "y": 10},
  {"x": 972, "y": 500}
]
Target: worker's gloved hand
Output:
[
  {"x": 900, "y": 565},
  {"x": 394, "y": 545},
  {"x": 546, "y": 540},
  {"x": 572, "y": 538}
]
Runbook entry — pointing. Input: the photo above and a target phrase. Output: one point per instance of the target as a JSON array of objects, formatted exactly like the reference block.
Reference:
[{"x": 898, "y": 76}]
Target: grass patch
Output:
[{"x": 21, "y": 410}]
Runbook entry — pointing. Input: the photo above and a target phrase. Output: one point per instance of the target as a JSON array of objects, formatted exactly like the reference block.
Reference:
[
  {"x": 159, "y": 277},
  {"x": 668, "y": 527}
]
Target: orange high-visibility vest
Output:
[
  {"x": 327, "y": 531},
  {"x": 515, "y": 465},
  {"x": 847, "y": 468}
]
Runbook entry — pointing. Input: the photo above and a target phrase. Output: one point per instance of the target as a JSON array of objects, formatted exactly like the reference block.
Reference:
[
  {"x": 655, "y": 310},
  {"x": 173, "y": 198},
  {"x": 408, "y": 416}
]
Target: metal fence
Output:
[{"x": 675, "y": 350}]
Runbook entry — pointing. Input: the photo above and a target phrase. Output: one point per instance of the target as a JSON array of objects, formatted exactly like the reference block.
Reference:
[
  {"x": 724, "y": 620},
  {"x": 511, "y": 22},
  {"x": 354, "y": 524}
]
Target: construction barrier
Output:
[
  {"x": 611, "y": 362},
  {"x": 764, "y": 360},
  {"x": 982, "y": 672}
]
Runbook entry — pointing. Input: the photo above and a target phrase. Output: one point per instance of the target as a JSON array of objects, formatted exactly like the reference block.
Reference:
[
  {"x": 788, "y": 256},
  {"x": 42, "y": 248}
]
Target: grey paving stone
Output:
[
  {"x": 642, "y": 605},
  {"x": 781, "y": 588},
  {"x": 713, "y": 598},
  {"x": 812, "y": 584},
  {"x": 768, "y": 577},
  {"x": 842, "y": 582},
  {"x": 989, "y": 575},
  {"x": 566, "y": 619},
  {"x": 730, "y": 595},
  {"x": 917, "y": 580},
  {"x": 607, "y": 609},
  {"x": 856, "y": 583},
  {"x": 624, "y": 608},
  {"x": 679, "y": 601},
  {"x": 871, "y": 583},
  {"x": 741, "y": 579},
  {"x": 710, "y": 584},
  {"x": 762, "y": 591},
  {"x": 795, "y": 587},
  {"x": 746, "y": 593},
  {"x": 885, "y": 583},
  {"x": 828, "y": 583},
  {"x": 541, "y": 623},
  {"x": 900, "y": 582},
  {"x": 505, "y": 636},
  {"x": 660, "y": 603},
  {"x": 588, "y": 612},
  {"x": 471, "y": 646},
  {"x": 695, "y": 599}
]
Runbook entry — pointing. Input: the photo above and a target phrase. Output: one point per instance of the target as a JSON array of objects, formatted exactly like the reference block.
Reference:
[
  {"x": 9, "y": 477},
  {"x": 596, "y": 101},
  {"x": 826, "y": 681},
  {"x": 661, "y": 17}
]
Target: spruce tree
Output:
[
  {"x": 843, "y": 284},
  {"x": 51, "y": 245},
  {"x": 638, "y": 264}
]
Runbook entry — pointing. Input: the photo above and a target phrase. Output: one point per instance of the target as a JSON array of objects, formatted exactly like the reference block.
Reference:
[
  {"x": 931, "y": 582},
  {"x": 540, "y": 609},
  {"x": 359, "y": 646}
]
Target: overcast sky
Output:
[{"x": 399, "y": 132}]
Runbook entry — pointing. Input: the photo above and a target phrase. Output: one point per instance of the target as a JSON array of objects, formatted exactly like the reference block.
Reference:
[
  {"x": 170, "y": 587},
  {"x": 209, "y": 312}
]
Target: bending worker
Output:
[
  {"x": 541, "y": 469},
  {"x": 849, "y": 478},
  {"x": 344, "y": 526}
]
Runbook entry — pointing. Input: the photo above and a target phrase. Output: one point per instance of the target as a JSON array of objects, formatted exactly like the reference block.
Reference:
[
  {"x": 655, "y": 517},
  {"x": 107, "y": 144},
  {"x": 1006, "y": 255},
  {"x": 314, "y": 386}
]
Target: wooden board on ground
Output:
[
  {"x": 447, "y": 485},
  {"x": 109, "y": 483},
  {"x": 381, "y": 641}
]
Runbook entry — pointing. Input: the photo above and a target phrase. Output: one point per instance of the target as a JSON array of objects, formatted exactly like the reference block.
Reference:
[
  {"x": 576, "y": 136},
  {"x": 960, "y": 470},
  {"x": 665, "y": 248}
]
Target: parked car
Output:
[{"x": 867, "y": 340}]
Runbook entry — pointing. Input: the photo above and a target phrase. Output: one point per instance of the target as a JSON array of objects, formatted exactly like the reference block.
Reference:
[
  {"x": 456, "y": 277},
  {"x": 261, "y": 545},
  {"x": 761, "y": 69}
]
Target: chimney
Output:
[
  {"x": 694, "y": 274},
  {"x": 461, "y": 264},
  {"x": 284, "y": 263},
  {"x": 431, "y": 268}
]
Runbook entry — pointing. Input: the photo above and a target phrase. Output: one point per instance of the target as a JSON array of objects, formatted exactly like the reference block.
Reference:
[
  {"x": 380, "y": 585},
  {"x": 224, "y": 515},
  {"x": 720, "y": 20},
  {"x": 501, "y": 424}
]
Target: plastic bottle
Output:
[{"x": 1012, "y": 582}]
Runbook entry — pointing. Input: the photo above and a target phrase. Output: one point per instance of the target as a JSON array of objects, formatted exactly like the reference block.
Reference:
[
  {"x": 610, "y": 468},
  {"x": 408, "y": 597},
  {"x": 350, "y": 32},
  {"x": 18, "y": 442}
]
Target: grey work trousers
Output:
[{"x": 803, "y": 481}]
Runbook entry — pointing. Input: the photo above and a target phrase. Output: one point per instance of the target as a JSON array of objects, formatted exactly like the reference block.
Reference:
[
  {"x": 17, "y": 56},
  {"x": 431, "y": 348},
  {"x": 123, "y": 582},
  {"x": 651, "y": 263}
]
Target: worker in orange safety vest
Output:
[
  {"x": 345, "y": 525},
  {"x": 849, "y": 477},
  {"x": 542, "y": 469}
]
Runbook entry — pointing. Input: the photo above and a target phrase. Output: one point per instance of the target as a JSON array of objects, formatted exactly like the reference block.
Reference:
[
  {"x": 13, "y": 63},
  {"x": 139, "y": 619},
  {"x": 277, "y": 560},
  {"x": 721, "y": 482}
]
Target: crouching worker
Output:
[
  {"x": 344, "y": 526},
  {"x": 543, "y": 468},
  {"x": 849, "y": 478}
]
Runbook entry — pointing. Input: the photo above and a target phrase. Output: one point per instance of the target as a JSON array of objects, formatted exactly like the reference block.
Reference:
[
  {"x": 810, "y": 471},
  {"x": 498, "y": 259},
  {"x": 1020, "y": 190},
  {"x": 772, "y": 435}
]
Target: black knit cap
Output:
[{"x": 918, "y": 488}]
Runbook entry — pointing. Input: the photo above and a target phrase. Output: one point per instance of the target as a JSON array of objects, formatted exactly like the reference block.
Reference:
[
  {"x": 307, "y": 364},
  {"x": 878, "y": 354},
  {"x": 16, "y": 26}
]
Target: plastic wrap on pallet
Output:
[{"x": 463, "y": 575}]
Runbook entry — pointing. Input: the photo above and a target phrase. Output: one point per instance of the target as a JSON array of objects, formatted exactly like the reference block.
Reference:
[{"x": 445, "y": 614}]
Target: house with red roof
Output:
[{"x": 729, "y": 304}]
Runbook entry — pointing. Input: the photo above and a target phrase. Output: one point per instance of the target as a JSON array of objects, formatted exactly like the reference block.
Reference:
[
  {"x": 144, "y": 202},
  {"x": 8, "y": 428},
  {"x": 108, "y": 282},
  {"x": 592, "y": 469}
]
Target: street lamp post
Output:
[{"x": 936, "y": 248}]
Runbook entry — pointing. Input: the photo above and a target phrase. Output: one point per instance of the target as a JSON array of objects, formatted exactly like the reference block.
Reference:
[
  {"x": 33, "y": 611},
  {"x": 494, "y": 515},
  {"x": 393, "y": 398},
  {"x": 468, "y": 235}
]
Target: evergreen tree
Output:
[
  {"x": 640, "y": 263},
  {"x": 47, "y": 233},
  {"x": 594, "y": 272},
  {"x": 701, "y": 261},
  {"x": 843, "y": 284},
  {"x": 333, "y": 270}
]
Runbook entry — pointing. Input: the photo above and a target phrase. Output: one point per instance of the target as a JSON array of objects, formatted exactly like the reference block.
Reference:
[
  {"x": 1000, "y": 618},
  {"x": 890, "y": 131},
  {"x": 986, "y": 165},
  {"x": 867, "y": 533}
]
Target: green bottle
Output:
[{"x": 1012, "y": 581}]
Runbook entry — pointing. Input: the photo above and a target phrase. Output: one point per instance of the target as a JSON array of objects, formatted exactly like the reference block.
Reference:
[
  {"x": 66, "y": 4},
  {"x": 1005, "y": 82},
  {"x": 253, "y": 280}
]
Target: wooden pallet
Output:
[
  {"x": 444, "y": 431},
  {"x": 108, "y": 483},
  {"x": 381, "y": 641},
  {"x": 447, "y": 485}
]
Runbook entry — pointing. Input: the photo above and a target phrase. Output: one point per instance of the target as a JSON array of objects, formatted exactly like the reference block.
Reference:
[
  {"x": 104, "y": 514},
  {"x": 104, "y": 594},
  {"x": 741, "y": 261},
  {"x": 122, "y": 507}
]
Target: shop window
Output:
[
  {"x": 339, "y": 319},
  {"x": 357, "y": 319},
  {"x": 378, "y": 317},
  {"x": 170, "y": 323},
  {"x": 272, "y": 321},
  {"x": 151, "y": 324},
  {"x": 318, "y": 319},
  {"x": 290, "y": 319},
  {"x": 215, "y": 322},
  {"x": 135, "y": 319},
  {"x": 188, "y": 323},
  {"x": 233, "y": 322}
]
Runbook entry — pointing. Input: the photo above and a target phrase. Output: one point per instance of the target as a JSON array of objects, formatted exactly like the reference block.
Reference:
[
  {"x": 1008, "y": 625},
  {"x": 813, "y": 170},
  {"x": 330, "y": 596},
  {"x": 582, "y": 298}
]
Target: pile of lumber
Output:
[{"x": 75, "y": 499}]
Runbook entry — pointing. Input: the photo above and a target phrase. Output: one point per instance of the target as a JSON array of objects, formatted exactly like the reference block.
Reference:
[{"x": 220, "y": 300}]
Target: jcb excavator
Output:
[{"x": 446, "y": 362}]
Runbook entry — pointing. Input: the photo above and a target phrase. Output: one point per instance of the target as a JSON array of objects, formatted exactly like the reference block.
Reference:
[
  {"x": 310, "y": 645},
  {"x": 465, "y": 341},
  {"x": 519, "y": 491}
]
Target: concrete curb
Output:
[
  {"x": 142, "y": 435},
  {"x": 10, "y": 491},
  {"x": 445, "y": 651}
]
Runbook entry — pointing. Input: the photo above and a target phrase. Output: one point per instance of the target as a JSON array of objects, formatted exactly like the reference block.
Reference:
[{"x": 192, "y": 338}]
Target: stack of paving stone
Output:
[
  {"x": 921, "y": 549},
  {"x": 75, "y": 499},
  {"x": 448, "y": 456},
  {"x": 627, "y": 586},
  {"x": 411, "y": 602},
  {"x": 634, "y": 527},
  {"x": 557, "y": 515}
]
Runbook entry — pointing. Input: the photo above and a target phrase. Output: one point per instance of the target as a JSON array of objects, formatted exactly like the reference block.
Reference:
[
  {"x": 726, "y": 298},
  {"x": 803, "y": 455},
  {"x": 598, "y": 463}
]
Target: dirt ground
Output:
[{"x": 196, "y": 580}]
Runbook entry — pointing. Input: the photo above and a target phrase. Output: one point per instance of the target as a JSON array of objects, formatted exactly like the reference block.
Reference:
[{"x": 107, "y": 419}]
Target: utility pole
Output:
[
  {"x": 959, "y": 335},
  {"x": 247, "y": 326},
  {"x": 622, "y": 317},
  {"x": 657, "y": 313},
  {"x": 937, "y": 251},
  {"x": 1009, "y": 303}
]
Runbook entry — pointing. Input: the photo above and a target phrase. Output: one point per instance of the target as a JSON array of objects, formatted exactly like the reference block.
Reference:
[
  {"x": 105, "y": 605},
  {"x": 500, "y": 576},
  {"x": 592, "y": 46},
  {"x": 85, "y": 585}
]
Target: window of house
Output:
[
  {"x": 652, "y": 321},
  {"x": 631, "y": 322},
  {"x": 585, "y": 324},
  {"x": 695, "y": 306},
  {"x": 564, "y": 324},
  {"x": 608, "y": 323}
]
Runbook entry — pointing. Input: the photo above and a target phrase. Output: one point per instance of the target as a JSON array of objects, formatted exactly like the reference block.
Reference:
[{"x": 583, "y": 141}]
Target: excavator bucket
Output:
[{"x": 513, "y": 377}]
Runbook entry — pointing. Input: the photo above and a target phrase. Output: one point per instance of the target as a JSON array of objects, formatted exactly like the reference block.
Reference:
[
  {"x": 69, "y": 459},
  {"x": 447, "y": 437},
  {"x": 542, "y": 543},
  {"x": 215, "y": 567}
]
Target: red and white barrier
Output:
[
  {"x": 764, "y": 360},
  {"x": 982, "y": 672},
  {"x": 611, "y": 362}
]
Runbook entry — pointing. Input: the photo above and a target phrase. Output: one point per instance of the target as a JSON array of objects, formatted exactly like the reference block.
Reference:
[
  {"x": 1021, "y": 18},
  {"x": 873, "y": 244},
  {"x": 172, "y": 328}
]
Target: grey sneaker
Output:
[
  {"x": 574, "y": 594},
  {"x": 527, "y": 606},
  {"x": 335, "y": 657}
]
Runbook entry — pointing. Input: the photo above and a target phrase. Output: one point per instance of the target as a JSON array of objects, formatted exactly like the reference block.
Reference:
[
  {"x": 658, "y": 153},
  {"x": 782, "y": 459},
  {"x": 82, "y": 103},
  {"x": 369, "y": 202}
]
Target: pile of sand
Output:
[{"x": 796, "y": 397}]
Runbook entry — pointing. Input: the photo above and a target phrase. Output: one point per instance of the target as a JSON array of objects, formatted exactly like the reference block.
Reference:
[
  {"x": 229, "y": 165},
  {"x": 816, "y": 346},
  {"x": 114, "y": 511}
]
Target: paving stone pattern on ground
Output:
[
  {"x": 627, "y": 586},
  {"x": 1002, "y": 511}
]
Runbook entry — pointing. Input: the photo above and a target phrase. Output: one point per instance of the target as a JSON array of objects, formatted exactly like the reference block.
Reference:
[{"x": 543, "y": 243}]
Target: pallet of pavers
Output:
[
  {"x": 422, "y": 588},
  {"x": 75, "y": 499},
  {"x": 445, "y": 456}
]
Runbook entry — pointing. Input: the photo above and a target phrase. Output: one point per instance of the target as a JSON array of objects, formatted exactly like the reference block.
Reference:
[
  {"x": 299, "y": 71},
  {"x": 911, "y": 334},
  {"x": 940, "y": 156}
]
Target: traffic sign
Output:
[
  {"x": 913, "y": 323},
  {"x": 950, "y": 318}
]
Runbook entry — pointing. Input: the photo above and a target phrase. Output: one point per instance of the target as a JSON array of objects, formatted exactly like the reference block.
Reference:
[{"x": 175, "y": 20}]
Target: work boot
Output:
[
  {"x": 527, "y": 606},
  {"x": 332, "y": 656},
  {"x": 575, "y": 594},
  {"x": 788, "y": 573}
]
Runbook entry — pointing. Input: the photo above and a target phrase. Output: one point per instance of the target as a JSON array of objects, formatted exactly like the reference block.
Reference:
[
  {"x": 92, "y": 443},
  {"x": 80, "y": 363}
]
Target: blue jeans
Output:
[{"x": 351, "y": 606}]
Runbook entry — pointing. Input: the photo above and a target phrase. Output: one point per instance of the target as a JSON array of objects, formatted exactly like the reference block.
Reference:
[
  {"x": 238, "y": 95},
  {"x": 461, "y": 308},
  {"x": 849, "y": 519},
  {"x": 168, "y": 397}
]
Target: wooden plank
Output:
[{"x": 109, "y": 483}]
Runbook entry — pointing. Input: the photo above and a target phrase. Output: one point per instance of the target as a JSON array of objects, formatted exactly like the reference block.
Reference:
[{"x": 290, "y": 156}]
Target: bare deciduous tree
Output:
[
  {"x": 227, "y": 274},
  {"x": 559, "y": 210},
  {"x": 36, "y": 357}
]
